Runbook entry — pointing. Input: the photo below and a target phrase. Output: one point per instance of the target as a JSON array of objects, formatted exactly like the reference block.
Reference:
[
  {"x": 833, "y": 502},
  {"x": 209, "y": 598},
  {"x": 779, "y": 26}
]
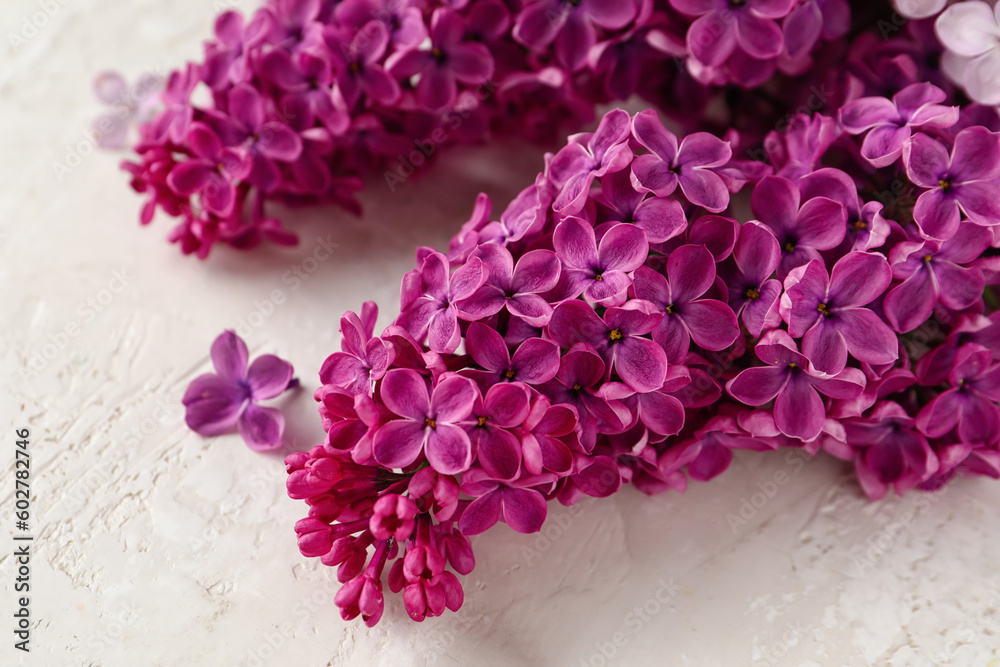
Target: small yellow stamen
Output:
[
  {"x": 432, "y": 423},
  {"x": 753, "y": 293},
  {"x": 616, "y": 334}
]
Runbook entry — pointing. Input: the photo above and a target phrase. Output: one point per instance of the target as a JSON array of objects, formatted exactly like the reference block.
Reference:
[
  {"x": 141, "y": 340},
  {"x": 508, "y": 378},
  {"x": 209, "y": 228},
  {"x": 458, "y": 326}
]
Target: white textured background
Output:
[{"x": 155, "y": 547}]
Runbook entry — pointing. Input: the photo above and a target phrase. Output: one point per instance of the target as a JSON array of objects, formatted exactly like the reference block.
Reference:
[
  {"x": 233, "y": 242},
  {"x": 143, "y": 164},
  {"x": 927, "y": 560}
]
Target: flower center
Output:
[
  {"x": 667, "y": 310},
  {"x": 616, "y": 334},
  {"x": 753, "y": 293},
  {"x": 438, "y": 55},
  {"x": 354, "y": 67},
  {"x": 823, "y": 309},
  {"x": 944, "y": 184},
  {"x": 927, "y": 258},
  {"x": 510, "y": 374},
  {"x": 599, "y": 276},
  {"x": 482, "y": 420},
  {"x": 577, "y": 387},
  {"x": 790, "y": 246},
  {"x": 430, "y": 423},
  {"x": 860, "y": 224}
]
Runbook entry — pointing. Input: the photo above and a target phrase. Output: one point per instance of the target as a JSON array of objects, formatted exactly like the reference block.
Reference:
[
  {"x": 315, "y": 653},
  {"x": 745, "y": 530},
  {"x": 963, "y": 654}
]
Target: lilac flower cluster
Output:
[
  {"x": 307, "y": 97},
  {"x": 620, "y": 323}
]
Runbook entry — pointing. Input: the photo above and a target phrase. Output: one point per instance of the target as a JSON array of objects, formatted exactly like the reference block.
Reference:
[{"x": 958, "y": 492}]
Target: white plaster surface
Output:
[{"x": 156, "y": 547}]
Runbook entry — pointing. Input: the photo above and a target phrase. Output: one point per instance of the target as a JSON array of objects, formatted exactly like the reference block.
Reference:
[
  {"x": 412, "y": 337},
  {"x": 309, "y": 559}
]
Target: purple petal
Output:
[
  {"x": 453, "y": 399},
  {"x": 532, "y": 308},
  {"x": 960, "y": 287},
  {"x": 868, "y": 338},
  {"x": 575, "y": 322},
  {"x": 190, "y": 176},
  {"x": 575, "y": 244},
  {"x": 926, "y": 160},
  {"x": 212, "y": 405},
  {"x": 979, "y": 201},
  {"x": 487, "y": 347},
  {"x": 448, "y": 449},
  {"x": 536, "y": 271},
  {"x": 712, "y": 324},
  {"x": 261, "y": 428},
  {"x": 712, "y": 41},
  {"x": 825, "y": 346},
  {"x": 976, "y": 155},
  {"x": 757, "y": 385},
  {"x": 760, "y": 37},
  {"x": 691, "y": 271},
  {"x": 650, "y": 174},
  {"x": 641, "y": 363},
  {"x": 775, "y": 202},
  {"x": 662, "y": 219},
  {"x": 229, "y": 356},
  {"x": 649, "y": 131},
  {"x": 798, "y": 409},
  {"x": 535, "y": 361},
  {"x": 884, "y": 144},
  {"x": 821, "y": 223},
  {"x": 397, "y": 444},
  {"x": 482, "y": 514},
  {"x": 859, "y": 278},
  {"x": 704, "y": 188},
  {"x": 279, "y": 142},
  {"x": 404, "y": 391},
  {"x": 268, "y": 376},
  {"x": 524, "y": 510},
  {"x": 498, "y": 451},
  {"x": 861, "y": 114},
  {"x": 910, "y": 303},
  {"x": 623, "y": 247},
  {"x": 937, "y": 215}
]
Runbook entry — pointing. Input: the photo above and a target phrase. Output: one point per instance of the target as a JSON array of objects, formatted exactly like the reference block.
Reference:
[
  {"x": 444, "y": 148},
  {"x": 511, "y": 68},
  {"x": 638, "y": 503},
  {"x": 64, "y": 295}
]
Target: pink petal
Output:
[
  {"x": 448, "y": 449},
  {"x": 798, "y": 410},
  {"x": 229, "y": 356},
  {"x": 398, "y": 443},
  {"x": 268, "y": 376},
  {"x": 261, "y": 428},
  {"x": 404, "y": 391}
]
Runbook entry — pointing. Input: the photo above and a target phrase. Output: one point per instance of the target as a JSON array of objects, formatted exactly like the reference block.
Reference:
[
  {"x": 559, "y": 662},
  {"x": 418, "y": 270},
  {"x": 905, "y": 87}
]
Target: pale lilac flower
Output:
[
  {"x": 688, "y": 165},
  {"x": 429, "y": 421},
  {"x": 828, "y": 311},
  {"x": 790, "y": 381},
  {"x": 129, "y": 106},
  {"x": 891, "y": 122},
  {"x": 680, "y": 297},
  {"x": 215, "y": 402},
  {"x": 964, "y": 180},
  {"x": 970, "y": 33},
  {"x": 919, "y": 9},
  {"x": 357, "y": 64}
]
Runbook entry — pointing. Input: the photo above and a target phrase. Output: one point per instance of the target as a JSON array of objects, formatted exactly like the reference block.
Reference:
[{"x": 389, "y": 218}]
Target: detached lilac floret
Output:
[{"x": 215, "y": 402}]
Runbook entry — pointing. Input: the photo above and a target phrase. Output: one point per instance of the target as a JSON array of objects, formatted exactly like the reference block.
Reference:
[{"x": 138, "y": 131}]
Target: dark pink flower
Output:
[
  {"x": 571, "y": 25},
  {"x": 429, "y": 422},
  {"x": 639, "y": 362},
  {"x": 933, "y": 272},
  {"x": 679, "y": 296},
  {"x": 891, "y": 122},
  {"x": 790, "y": 381},
  {"x": 535, "y": 361},
  {"x": 828, "y": 311},
  {"x": 962, "y": 181},
  {"x": 599, "y": 272},
  {"x": 970, "y": 405},
  {"x": 891, "y": 452},
  {"x": 723, "y": 26},
  {"x": 688, "y": 164},
  {"x": 448, "y": 62},
  {"x": 515, "y": 288}
]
